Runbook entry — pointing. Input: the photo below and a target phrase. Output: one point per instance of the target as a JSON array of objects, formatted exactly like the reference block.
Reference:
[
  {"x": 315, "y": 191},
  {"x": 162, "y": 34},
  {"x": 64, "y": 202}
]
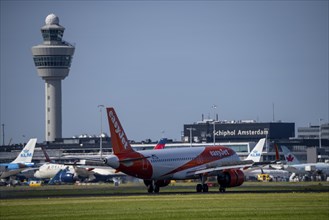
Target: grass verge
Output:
[{"x": 291, "y": 206}]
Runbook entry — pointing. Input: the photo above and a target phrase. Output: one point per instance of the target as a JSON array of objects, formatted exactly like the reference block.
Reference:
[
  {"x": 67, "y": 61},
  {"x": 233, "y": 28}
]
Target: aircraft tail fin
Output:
[
  {"x": 277, "y": 155},
  {"x": 289, "y": 157},
  {"x": 161, "y": 144},
  {"x": 256, "y": 153},
  {"x": 25, "y": 156},
  {"x": 120, "y": 143},
  {"x": 45, "y": 153}
]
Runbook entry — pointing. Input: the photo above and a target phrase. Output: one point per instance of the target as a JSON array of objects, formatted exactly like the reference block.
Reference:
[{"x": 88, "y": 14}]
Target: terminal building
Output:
[
  {"x": 240, "y": 135},
  {"x": 237, "y": 131},
  {"x": 311, "y": 144}
]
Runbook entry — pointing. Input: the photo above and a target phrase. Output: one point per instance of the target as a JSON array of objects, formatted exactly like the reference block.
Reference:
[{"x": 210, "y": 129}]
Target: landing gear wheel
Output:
[
  {"x": 222, "y": 189},
  {"x": 205, "y": 188},
  {"x": 150, "y": 188},
  {"x": 199, "y": 188},
  {"x": 156, "y": 189}
]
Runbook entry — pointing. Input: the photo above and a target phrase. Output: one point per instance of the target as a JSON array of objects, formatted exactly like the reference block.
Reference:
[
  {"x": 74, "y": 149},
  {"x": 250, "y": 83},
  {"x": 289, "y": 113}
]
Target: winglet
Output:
[
  {"x": 25, "y": 156},
  {"x": 120, "y": 143}
]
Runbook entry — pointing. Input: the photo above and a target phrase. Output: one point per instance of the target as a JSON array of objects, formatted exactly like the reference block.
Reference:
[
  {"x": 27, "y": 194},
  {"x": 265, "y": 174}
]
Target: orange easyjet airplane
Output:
[{"x": 158, "y": 167}]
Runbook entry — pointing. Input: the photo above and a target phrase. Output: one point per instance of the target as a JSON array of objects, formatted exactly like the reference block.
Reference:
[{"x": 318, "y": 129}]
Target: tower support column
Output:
[{"x": 53, "y": 109}]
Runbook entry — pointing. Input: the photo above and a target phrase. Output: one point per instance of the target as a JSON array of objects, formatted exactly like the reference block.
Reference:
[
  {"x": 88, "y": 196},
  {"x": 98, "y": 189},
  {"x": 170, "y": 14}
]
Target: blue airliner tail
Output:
[{"x": 25, "y": 156}]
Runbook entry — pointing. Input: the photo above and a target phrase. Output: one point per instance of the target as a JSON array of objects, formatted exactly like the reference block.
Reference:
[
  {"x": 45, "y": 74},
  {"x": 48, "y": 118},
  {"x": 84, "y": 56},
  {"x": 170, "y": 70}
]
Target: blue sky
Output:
[{"x": 163, "y": 64}]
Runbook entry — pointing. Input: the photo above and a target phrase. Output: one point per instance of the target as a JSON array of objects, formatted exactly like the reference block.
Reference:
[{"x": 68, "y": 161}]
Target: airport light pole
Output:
[
  {"x": 3, "y": 134},
  {"x": 191, "y": 129},
  {"x": 214, "y": 126},
  {"x": 101, "y": 136},
  {"x": 266, "y": 132},
  {"x": 320, "y": 132}
]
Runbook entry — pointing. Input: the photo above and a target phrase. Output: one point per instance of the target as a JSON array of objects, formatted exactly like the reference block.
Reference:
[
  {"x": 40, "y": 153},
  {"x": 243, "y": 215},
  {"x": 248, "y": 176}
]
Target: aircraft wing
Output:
[
  {"x": 264, "y": 163},
  {"x": 292, "y": 169},
  {"x": 226, "y": 166},
  {"x": 261, "y": 165},
  {"x": 8, "y": 173}
]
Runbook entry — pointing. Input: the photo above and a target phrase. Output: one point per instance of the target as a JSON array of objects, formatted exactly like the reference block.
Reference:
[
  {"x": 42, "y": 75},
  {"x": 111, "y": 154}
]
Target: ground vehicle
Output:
[{"x": 264, "y": 177}]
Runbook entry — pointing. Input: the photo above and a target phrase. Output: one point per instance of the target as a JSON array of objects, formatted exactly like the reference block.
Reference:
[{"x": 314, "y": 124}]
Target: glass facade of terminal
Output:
[
  {"x": 54, "y": 61},
  {"x": 239, "y": 148}
]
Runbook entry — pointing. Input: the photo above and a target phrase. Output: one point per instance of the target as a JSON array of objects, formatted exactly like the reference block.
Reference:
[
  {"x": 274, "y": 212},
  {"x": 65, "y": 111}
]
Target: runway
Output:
[{"x": 106, "y": 190}]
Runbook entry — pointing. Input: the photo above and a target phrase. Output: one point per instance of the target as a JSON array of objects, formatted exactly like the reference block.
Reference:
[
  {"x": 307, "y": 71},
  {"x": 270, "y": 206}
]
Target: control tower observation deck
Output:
[{"x": 53, "y": 61}]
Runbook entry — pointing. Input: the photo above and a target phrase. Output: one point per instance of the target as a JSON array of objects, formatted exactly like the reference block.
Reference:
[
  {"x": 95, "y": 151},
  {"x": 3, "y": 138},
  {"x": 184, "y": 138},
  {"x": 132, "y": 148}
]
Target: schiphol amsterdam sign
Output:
[{"x": 239, "y": 132}]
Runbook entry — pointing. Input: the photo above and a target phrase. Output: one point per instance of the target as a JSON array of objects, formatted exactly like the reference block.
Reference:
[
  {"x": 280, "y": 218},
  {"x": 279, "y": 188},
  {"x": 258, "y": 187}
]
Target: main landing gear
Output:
[
  {"x": 203, "y": 187},
  {"x": 153, "y": 188}
]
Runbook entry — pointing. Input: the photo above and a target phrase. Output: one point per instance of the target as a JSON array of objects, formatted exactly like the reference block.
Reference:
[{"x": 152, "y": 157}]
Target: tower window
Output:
[
  {"x": 52, "y": 35},
  {"x": 57, "y": 61}
]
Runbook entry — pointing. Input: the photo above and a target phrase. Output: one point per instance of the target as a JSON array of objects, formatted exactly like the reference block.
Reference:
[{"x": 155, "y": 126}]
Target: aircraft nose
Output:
[{"x": 37, "y": 174}]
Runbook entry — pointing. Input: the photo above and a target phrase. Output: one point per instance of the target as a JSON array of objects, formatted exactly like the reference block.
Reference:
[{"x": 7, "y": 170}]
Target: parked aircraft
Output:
[
  {"x": 86, "y": 169},
  {"x": 22, "y": 162},
  {"x": 296, "y": 168},
  {"x": 158, "y": 167},
  {"x": 263, "y": 167},
  {"x": 69, "y": 173}
]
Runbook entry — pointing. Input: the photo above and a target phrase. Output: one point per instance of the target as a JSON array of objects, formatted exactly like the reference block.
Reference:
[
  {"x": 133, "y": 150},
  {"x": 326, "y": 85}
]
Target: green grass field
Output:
[
  {"x": 308, "y": 201},
  {"x": 190, "y": 206}
]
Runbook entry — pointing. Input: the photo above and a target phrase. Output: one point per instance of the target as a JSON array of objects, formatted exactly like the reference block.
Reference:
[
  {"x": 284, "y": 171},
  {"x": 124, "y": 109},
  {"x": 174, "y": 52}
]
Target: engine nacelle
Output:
[
  {"x": 112, "y": 161},
  {"x": 230, "y": 178},
  {"x": 67, "y": 177}
]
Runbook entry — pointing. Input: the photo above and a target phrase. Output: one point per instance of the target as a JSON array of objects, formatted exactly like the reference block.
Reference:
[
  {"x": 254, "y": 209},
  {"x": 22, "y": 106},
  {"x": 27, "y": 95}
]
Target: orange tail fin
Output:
[{"x": 120, "y": 143}]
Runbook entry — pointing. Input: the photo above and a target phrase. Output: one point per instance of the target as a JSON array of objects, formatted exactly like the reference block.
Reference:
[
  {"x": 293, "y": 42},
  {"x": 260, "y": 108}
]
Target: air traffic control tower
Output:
[{"x": 53, "y": 60}]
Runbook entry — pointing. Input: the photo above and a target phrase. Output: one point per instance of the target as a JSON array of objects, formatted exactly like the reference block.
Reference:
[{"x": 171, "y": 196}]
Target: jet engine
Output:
[
  {"x": 162, "y": 183},
  {"x": 112, "y": 161},
  {"x": 230, "y": 178},
  {"x": 63, "y": 176}
]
